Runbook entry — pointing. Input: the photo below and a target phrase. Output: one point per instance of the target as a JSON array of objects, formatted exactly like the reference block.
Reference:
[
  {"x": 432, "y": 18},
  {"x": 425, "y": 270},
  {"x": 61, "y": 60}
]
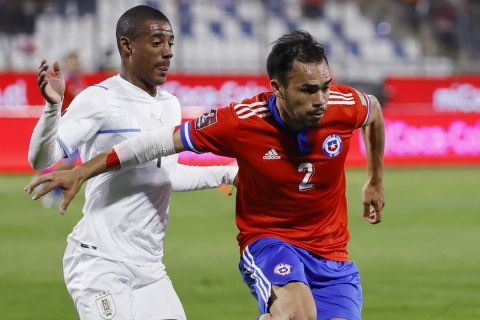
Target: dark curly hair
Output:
[{"x": 297, "y": 45}]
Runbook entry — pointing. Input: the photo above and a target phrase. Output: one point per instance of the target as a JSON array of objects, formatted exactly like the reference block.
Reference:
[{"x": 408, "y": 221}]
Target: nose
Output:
[
  {"x": 167, "y": 52},
  {"x": 319, "y": 99}
]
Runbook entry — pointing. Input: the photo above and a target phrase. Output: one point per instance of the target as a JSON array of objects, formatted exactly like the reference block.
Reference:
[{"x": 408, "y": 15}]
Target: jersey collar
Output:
[{"x": 303, "y": 144}]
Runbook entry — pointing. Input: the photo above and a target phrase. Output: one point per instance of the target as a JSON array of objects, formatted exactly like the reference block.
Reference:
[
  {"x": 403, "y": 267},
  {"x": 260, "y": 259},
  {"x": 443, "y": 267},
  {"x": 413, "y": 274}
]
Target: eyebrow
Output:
[
  {"x": 162, "y": 33},
  {"x": 315, "y": 86}
]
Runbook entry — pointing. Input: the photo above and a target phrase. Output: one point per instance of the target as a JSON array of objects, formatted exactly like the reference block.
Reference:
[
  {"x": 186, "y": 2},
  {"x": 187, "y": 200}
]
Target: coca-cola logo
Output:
[
  {"x": 14, "y": 94},
  {"x": 458, "y": 98},
  {"x": 209, "y": 96},
  {"x": 405, "y": 140}
]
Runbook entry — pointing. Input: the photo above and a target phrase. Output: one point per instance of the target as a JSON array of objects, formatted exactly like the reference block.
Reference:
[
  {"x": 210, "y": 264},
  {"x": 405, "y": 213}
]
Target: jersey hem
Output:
[
  {"x": 335, "y": 256},
  {"x": 89, "y": 250}
]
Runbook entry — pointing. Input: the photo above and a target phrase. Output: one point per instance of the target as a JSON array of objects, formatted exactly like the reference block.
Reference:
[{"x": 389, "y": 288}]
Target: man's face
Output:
[
  {"x": 303, "y": 101},
  {"x": 152, "y": 51}
]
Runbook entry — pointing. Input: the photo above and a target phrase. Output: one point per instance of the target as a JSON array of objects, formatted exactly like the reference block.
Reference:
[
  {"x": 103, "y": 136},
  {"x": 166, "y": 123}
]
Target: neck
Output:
[
  {"x": 130, "y": 77},
  {"x": 286, "y": 117}
]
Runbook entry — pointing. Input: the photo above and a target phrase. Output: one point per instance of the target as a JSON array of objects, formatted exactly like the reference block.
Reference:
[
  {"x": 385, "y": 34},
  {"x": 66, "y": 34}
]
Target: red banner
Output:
[
  {"x": 438, "y": 139},
  {"x": 20, "y": 89},
  {"x": 206, "y": 91},
  {"x": 409, "y": 141},
  {"x": 420, "y": 137},
  {"x": 432, "y": 95}
]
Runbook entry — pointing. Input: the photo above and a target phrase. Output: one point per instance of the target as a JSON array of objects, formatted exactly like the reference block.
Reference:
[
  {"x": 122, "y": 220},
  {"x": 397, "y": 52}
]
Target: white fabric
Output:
[
  {"x": 159, "y": 143},
  {"x": 185, "y": 178},
  {"x": 106, "y": 289},
  {"x": 119, "y": 240},
  {"x": 126, "y": 211},
  {"x": 145, "y": 147},
  {"x": 44, "y": 151}
]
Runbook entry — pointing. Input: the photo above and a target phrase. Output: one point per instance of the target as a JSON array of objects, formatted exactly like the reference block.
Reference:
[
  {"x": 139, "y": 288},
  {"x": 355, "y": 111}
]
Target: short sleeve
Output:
[
  {"x": 82, "y": 119},
  {"x": 214, "y": 131},
  {"x": 362, "y": 106}
]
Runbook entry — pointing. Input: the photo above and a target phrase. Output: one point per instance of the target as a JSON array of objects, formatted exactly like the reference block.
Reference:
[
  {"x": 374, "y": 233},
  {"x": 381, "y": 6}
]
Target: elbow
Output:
[
  {"x": 33, "y": 161},
  {"x": 36, "y": 163}
]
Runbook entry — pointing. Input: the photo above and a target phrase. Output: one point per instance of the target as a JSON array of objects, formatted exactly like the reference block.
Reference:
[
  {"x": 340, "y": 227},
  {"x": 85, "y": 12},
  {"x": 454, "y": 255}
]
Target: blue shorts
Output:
[{"x": 335, "y": 285}]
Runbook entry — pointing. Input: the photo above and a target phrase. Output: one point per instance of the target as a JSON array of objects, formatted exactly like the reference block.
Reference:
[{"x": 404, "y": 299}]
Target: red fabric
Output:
[
  {"x": 112, "y": 160},
  {"x": 269, "y": 201},
  {"x": 73, "y": 86}
]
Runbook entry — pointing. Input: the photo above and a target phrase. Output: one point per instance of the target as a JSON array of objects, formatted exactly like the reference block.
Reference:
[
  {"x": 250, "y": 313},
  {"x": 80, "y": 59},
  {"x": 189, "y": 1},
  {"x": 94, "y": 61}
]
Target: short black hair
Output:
[
  {"x": 297, "y": 45},
  {"x": 131, "y": 22}
]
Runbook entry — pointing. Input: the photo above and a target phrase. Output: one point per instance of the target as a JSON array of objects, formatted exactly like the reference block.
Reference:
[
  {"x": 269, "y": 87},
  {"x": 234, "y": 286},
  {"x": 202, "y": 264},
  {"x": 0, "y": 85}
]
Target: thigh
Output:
[
  {"x": 101, "y": 289},
  {"x": 293, "y": 299},
  {"x": 270, "y": 262},
  {"x": 336, "y": 289},
  {"x": 158, "y": 301}
]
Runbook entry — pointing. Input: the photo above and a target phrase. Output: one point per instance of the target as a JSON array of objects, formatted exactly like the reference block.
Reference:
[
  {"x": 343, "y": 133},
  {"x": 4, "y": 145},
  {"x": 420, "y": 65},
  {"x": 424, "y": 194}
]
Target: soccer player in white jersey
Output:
[{"x": 113, "y": 262}]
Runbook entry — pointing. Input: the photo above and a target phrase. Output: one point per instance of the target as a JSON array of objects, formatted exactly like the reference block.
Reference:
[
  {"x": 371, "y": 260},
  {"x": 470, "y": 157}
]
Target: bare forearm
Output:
[
  {"x": 374, "y": 137},
  {"x": 95, "y": 166}
]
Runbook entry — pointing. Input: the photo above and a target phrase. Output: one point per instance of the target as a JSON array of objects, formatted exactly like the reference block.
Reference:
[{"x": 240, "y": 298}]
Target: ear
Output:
[
  {"x": 126, "y": 46},
  {"x": 277, "y": 88}
]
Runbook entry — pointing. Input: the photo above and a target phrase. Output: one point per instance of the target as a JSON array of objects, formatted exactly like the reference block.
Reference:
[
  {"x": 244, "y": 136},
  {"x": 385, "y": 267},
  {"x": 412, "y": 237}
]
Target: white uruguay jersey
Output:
[{"x": 126, "y": 210}]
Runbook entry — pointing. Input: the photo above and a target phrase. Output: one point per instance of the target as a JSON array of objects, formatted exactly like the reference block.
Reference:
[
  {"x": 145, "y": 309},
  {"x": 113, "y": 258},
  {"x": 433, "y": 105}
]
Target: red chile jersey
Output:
[{"x": 291, "y": 185}]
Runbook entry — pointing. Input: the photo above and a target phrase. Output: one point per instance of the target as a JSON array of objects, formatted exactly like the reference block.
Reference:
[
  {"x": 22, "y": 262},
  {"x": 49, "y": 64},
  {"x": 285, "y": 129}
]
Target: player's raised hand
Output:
[
  {"x": 373, "y": 202},
  {"x": 69, "y": 181},
  {"x": 51, "y": 82}
]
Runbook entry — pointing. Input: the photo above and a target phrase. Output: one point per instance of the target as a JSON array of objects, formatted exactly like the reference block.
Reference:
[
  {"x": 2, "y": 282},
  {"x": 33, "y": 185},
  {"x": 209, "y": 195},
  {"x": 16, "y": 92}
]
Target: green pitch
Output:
[{"x": 422, "y": 262}]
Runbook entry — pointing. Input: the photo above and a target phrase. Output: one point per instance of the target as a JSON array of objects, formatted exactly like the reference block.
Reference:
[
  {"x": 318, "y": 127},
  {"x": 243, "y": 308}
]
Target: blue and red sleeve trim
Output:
[{"x": 186, "y": 135}]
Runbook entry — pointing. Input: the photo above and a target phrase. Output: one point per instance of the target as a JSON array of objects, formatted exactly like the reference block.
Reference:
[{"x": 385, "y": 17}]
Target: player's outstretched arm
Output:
[
  {"x": 131, "y": 152},
  {"x": 374, "y": 137},
  {"x": 44, "y": 150}
]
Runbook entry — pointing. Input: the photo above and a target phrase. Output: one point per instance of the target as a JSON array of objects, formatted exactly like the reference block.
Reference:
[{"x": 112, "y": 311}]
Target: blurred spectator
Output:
[
  {"x": 410, "y": 9},
  {"x": 468, "y": 30},
  {"x": 75, "y": 7},
  {"x": 18, "y": 16},
  {"x": 444, "y": 26},
  {"x": 109, "y": 61},
  {"x": 72, "y": 71},
  {"x": 312, "y": 9}
]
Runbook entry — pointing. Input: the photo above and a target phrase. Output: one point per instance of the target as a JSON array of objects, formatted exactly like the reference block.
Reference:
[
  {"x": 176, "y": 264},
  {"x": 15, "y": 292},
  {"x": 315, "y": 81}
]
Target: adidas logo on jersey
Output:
[{"x": 271, "y": 155}]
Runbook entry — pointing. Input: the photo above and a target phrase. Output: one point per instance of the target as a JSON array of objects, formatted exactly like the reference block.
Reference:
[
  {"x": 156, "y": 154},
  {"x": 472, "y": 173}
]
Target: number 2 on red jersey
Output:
[{"x": 309, "y": 170}]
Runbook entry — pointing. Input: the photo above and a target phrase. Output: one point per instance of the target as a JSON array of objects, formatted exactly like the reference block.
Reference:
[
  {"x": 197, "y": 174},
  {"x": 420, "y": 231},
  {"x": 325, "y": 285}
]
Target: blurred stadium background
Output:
[{"x": 421, "y": 58}]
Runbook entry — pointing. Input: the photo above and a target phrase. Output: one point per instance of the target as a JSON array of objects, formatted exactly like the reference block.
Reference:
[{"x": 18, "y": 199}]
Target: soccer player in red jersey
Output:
[{"x": 291, "y": 210}]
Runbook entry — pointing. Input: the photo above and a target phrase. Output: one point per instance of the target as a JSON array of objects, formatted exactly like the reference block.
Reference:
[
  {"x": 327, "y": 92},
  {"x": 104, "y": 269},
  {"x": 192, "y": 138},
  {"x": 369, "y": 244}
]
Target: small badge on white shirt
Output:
[{"x": 105, "y": 305}]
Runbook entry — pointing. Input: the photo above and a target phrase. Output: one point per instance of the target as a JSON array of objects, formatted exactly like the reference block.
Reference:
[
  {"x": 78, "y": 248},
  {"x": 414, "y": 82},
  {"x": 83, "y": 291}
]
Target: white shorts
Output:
[{"x": 105, "y": 289}]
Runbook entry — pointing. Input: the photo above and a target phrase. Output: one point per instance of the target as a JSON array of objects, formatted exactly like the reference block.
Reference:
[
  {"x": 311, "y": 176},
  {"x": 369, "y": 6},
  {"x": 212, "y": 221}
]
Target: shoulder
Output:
[
  {"x": 168, "y": 97},
  {"x": 170, "y": 104},
  {"x": 91, "y": 95},
  {"x": 346, "y": 99},
  {"x": 98, "y": 91},
  {"x": 343, "y": 93},
  {"x": 255, "y": 107},
  {"x": 347, "y": 93},
  {"x": 91, "y": 100}
]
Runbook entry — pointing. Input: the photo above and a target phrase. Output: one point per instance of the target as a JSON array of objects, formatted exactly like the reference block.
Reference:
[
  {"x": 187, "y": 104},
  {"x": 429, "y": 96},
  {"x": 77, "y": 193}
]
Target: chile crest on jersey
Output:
[{"x": 332, "y": 145}]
